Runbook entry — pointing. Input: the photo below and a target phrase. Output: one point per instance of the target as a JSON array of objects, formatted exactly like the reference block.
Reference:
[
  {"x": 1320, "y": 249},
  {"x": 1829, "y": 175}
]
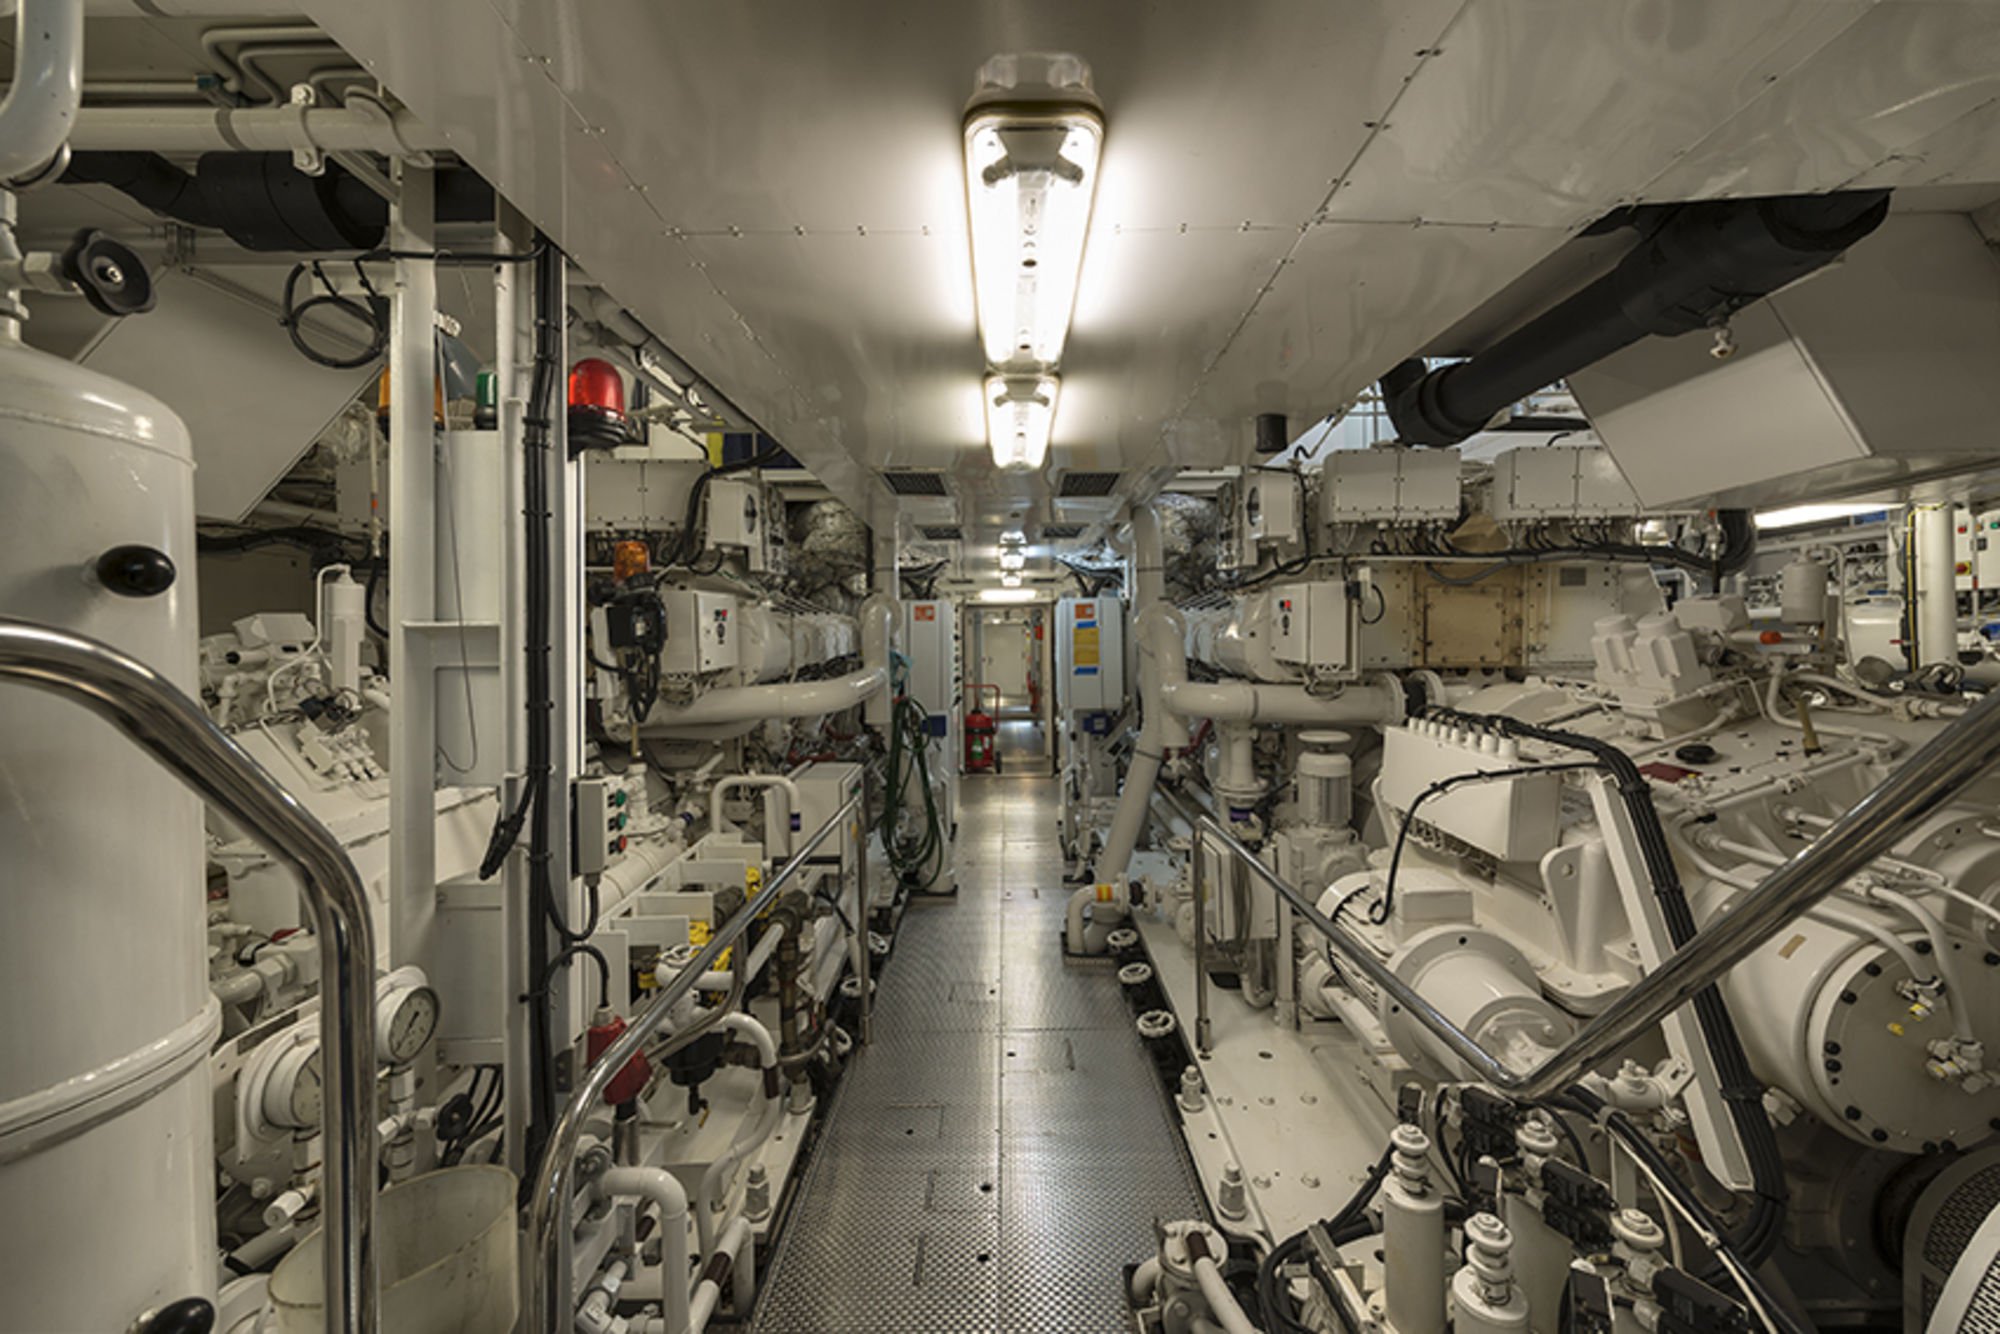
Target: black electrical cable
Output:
[
  {"x": 533, "y": 809},
  {"x": 1742, "y": 1092},
  {"x": 371, "y": 314},
  {"x": 575, "y": 950},
  {"x": 1662, "y": 1176},
  {"x": 1269, "y": 1298}
]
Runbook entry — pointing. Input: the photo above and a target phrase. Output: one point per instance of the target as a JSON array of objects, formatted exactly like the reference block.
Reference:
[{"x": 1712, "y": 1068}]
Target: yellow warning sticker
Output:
[{"x": 1085, "y": 646}]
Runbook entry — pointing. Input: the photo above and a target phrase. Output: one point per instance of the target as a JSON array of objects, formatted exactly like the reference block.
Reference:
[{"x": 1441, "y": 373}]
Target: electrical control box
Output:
[
  {"x": 823, "y": 789},
  {"x": 1560, "y": 482},
  {"x": 1389, "y": 485},
  {"x": 930, "y": 639},
  {"x": 1090, "y": 655},
  {"x": 737, "y": 519},
  {"x": 1968, "y": 537},
  {"x": 1310, "y": 623},
  {"x": 1269, "y": 513},
  {"x": 702, "y": 632},
  {"x": 1986, "y": 549}
]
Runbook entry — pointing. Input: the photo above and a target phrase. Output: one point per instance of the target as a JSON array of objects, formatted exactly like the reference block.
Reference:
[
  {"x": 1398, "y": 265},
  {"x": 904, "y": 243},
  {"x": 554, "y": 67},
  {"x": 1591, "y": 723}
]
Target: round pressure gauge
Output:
[
  {"x": 406, "y": 1020},
  {"x": 294, "y": 1090}
]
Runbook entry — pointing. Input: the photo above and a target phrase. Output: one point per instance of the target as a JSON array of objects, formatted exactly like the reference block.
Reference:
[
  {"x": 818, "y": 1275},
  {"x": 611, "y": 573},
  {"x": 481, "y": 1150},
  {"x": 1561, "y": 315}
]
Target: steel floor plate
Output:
[{"x": 1001, "y": 1153}]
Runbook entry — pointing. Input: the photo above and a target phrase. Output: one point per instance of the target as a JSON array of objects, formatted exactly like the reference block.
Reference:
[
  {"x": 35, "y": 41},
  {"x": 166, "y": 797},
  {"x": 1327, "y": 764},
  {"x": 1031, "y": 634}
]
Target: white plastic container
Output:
[{"x": 447, "y": 1252}]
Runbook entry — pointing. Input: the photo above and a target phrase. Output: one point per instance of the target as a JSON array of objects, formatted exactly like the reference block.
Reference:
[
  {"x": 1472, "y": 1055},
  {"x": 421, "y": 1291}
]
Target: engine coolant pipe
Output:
[
  {"x": 733, "y": 710},
  {"x": 878, "y": 622},
  {"x": 1156, "y": 623}
]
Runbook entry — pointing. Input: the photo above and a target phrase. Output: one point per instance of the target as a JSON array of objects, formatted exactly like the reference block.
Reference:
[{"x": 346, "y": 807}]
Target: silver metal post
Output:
[
  {"x": 548, "y": 1287},
  {"x": 865, "y": 1015},
  {"x": 172, "y": 728},
  {"x": 1202, "y": 1029},
  {"x": 1965, "y": 749}
]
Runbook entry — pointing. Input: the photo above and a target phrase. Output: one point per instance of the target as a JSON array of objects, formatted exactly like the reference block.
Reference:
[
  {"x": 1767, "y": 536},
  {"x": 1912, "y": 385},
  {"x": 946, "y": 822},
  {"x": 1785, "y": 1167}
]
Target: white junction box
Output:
[
  {"x": 823, "y": 789},
  {"x": 1270, "y": 511},
  {"x": 1310, "y": 623},
  {"x": 1090, "y": 655},
  {"x": 1377, "y": 485},
  {"x": 1514, "y": 819},
  {"x": 1560, "y": 482},
  {"x": 702, "y": 632}
]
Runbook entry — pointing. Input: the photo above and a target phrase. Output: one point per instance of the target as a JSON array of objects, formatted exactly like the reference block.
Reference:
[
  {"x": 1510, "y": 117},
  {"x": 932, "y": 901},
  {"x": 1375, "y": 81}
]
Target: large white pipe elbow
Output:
[
  {"x": 741, "y": 707},
  {"x": 664, "y": 1191},
  {"x": 40, "y": 110},
  {"x": 878, "y": 628}
]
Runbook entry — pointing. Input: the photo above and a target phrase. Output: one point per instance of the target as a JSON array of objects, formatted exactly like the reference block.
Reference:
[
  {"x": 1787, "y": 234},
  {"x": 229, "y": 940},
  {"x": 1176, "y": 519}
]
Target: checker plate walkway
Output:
[{"x": 999, "y": 1155}]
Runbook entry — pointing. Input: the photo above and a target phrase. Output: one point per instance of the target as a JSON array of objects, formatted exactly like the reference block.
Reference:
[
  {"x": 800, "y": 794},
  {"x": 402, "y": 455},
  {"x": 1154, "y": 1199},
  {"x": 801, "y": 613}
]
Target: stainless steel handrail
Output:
[
  {"x": 1963, "y": 750},
  {"x": 547, "y": 1285},
  {"x": 170, "y": 727}
]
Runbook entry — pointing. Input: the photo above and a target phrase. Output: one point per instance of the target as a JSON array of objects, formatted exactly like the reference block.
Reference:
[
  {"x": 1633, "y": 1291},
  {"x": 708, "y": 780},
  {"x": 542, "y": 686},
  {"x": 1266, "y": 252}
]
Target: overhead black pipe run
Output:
[
  {"x": 1704, "y": 263},
  {"x": 265, "y": 203}
]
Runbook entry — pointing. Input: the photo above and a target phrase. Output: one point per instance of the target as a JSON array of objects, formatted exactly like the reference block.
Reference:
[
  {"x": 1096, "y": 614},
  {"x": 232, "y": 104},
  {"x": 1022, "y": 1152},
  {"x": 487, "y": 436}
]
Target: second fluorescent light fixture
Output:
[
  {"x": 1020, "y": 414},
  {"x": 1033, "y": 135}
]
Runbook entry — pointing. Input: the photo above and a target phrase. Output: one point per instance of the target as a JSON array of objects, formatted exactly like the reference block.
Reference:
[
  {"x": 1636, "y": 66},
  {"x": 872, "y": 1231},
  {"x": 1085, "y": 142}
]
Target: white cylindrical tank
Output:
[
  {"x": 1802, "y": 592},
  {"x": 106, "y": 1156}
]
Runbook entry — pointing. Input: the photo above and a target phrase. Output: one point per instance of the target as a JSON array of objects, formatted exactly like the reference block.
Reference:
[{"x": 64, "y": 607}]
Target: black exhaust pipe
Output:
[
  {"x": 1707, "y": 261},
  {"x": 265, "y": 203}
]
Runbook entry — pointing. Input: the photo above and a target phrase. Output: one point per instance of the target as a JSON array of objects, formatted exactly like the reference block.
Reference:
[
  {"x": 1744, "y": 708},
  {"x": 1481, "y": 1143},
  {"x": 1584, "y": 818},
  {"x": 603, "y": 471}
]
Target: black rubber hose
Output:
[{"x": 1741, "y": 1090}]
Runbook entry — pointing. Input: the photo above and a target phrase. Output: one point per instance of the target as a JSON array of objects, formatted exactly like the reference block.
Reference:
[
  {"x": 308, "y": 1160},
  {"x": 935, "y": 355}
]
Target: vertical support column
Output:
[
  {"x": 413, "y": 583},
  {"x": 1936, "y": 618}
]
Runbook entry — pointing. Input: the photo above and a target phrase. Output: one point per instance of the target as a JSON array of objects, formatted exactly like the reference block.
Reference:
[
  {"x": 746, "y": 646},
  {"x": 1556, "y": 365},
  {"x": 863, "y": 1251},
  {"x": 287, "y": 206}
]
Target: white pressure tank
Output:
[{"x": 107, "y": 1178}]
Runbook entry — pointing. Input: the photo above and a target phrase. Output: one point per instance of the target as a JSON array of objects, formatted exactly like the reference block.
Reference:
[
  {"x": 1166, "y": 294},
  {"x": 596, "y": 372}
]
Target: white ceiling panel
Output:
[
  {"x": 1906, "y": 82},
  {"x": 798, "y": 113},
  {"x": 774, "y": 187},
  {"x": 1351, "y": 300},
  {"x": 1546, "y": 112}
]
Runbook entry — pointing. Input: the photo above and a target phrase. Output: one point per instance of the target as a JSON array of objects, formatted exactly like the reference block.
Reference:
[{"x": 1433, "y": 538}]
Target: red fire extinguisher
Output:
[{"x": 981, "y": 731}]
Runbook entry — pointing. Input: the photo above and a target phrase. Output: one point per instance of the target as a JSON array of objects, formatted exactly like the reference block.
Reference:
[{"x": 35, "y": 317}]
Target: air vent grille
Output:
[
  {"x": 1057, "y": 532},
  {"x": 909, "y": 483},
  {"x": 1075, "y": 484},
  {"x": 942, "y": 532}
]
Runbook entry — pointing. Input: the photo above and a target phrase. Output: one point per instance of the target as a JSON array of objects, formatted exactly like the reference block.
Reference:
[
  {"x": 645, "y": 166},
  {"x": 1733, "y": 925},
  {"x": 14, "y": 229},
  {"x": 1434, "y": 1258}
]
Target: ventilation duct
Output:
[{"x": 1704, "y": 262}]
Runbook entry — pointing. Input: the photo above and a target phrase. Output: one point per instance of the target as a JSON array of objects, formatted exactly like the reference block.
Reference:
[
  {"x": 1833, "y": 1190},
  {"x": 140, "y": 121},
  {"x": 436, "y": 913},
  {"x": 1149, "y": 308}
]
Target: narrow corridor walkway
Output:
[{"x": 1002, "y": 1151}]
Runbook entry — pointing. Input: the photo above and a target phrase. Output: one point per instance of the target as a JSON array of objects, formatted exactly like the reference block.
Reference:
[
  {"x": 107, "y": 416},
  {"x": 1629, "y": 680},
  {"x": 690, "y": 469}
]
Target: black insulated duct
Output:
[
  {"x": 263, "y": 202},
  {"x": 1703, "y": 264}
]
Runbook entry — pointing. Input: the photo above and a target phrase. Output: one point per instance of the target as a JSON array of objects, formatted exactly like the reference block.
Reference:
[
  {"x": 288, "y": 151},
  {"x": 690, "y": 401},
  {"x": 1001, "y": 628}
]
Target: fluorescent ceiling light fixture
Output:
[
  {"x": 1020, "y": 414},
  {"x": 1013, "y": 560},
  {"x": 1797, "y": 516},
  {"x": 1007, "y": 595},
  {"x": 1010, "y": 581},
  {"x": 1013, "y": 537},
  {"x": 1033, "y": 136}
]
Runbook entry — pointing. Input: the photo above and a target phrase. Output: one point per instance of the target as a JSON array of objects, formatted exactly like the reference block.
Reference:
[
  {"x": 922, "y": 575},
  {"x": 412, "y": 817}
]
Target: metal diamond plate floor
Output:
[{"x": 1001, "y": 1152}]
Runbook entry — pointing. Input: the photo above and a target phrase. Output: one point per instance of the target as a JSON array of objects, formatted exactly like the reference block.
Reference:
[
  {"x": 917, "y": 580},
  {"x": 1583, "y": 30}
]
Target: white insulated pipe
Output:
[
  {"x": 664, "y": 1191},
  {"x": 245, "y": 129},
  {"x": 1221, "y": 1301},
  {"x": 1936, "y": 594},
  {"x": 878, "y": 622},
  {"x": 1157, "y": 623},
  {"x": 41, "y": 106},
  {"x": 754, "y": 704},
  {"x": 751, "y": 1136}
]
